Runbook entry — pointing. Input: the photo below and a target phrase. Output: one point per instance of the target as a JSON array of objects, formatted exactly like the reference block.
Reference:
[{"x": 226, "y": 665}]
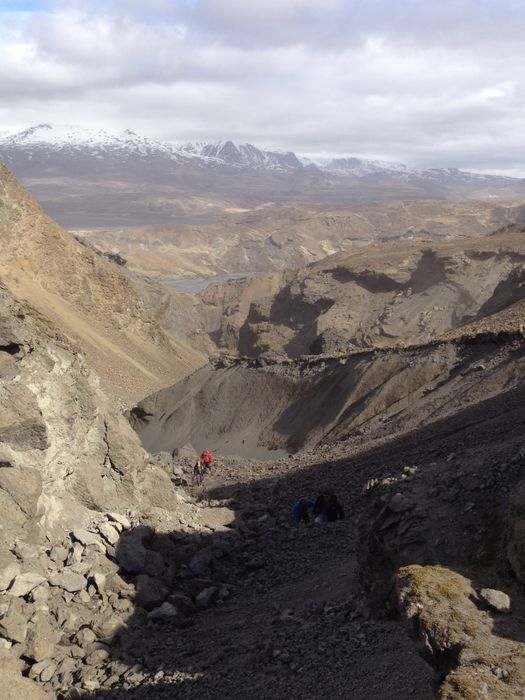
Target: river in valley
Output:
[{"x": 194, "y": 285}]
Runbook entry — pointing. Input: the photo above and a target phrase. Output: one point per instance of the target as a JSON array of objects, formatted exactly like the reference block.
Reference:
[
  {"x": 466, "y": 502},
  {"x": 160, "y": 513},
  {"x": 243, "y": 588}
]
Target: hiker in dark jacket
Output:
[
  {"x": 300, "y": 510},
  {"x": 198, "y": 473},
  {"x": 327, "y": 508}
]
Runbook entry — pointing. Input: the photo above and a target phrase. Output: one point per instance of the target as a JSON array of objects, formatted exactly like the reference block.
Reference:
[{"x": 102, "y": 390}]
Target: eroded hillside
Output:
[
  {"x": 271, "y": 238},
  {"x": 388, "y": 294},
  {"x": 87, "y": 297},
  {"x": 425, "y": 446}
]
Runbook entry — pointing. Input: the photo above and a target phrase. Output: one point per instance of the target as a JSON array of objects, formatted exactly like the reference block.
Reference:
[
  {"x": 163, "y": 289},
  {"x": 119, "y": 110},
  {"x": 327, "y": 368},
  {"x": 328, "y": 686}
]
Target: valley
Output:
[
  {"x": 377, "y": 352},
  {"x": 275, "y": 238}
]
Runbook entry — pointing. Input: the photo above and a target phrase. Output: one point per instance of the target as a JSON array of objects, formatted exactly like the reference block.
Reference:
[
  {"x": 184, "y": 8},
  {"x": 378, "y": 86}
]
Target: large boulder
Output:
[
  {"x": 13, "y": 685},
  {"x": 130, "y": 550}
]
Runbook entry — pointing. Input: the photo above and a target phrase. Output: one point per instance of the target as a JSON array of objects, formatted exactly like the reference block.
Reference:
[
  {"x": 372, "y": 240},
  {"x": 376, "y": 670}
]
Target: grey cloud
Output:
[{"x": 428, "y": 83}]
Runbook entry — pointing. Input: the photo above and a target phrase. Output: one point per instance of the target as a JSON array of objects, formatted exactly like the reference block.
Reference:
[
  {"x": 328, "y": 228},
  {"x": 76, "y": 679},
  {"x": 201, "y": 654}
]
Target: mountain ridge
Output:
[{"x": 226, "y": 152}]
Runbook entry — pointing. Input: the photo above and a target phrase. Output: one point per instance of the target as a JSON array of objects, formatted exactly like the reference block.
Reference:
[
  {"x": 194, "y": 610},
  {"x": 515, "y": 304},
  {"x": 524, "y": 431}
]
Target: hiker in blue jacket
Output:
[{"x": 300, "y": 510}]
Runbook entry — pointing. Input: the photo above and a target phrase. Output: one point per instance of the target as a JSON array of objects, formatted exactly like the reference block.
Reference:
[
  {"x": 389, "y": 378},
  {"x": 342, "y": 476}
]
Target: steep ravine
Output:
[
  {"x": 425, "y": 447},
  {"x": 243, "y": 406}
]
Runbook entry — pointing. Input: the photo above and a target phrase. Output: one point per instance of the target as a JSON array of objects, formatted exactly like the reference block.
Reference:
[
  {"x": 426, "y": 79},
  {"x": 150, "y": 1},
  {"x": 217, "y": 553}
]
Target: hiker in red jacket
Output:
[{"x": 206, "y": 459}]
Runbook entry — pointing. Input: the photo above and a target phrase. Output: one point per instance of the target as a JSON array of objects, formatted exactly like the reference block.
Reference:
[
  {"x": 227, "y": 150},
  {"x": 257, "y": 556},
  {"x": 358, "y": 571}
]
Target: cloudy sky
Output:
[{"x": 426, "y": 82}]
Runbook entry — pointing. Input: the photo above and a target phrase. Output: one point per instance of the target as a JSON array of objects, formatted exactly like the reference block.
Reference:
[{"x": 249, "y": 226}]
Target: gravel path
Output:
[{"x": 294, "y": 624}]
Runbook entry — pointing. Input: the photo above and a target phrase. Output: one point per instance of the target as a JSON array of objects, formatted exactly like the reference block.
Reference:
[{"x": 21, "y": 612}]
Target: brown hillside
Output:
[{"x": 87, "y": 297}]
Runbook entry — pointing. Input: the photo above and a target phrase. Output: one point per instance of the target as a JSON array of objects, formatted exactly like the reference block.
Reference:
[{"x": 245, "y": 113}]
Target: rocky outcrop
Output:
[
  {"x": 379, "y": 296},
  {"x": 437, "y": 543},
  {"x": 479, "y": 656},
  {"x": 85, "y": 513}
]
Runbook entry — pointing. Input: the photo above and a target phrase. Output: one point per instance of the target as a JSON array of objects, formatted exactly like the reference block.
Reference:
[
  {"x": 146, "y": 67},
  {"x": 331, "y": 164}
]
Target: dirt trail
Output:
[{"x": 294, "y": 624}]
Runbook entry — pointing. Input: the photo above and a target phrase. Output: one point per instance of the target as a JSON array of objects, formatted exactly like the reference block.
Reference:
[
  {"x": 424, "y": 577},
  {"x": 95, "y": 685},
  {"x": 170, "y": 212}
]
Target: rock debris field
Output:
[{"x": 263, "y": 609}]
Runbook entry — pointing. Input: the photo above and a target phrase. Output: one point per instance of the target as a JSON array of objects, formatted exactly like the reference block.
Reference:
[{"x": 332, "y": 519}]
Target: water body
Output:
[{"x": 194, "y": 285}]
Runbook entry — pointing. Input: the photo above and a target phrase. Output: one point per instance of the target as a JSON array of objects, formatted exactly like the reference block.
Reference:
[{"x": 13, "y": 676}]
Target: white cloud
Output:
[{"x": 430, "y": 83}]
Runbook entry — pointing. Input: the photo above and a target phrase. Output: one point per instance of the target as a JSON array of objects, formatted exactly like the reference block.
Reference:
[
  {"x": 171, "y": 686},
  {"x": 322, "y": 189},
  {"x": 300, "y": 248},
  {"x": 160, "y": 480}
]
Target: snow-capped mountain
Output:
[
  {"x": 75, "y": 171},
  {"x": 76, "y": 141},
  {"x": 245, "y": 155},
  {"x": 50, "y": 142}
]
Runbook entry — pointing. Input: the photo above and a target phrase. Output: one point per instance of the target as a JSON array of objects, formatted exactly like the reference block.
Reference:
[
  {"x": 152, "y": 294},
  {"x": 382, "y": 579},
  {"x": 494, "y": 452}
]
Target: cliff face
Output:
[
  {"x": 64, "y": 451},
  {"x": 82, "y": 508},
  {"x": 90, "y": 299},
  {"x": 410, "y": 292}
]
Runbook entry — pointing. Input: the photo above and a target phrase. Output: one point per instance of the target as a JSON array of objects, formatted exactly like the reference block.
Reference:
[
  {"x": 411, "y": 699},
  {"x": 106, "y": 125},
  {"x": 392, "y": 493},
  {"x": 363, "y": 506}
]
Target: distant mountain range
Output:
[
  {"x": 52, "y": 141},
  {"x": 236, "y": 174}
]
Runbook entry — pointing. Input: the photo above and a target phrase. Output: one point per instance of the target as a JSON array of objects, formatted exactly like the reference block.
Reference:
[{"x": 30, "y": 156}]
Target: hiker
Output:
[
  {"x": 327, "y": 508},
  {"x": 198, "y": 473},
  {"x": 206, "y": 460},
  {"x": 300, "y": 510}
]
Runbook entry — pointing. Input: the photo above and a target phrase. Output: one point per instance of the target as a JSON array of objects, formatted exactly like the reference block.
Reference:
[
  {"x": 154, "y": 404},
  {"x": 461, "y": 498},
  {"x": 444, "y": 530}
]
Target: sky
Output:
[{"x": 430, "y": 83}]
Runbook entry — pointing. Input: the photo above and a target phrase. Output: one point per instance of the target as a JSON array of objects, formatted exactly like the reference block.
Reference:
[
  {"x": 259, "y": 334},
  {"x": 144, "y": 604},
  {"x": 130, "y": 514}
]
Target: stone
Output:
[
  {"x": 121, "y": 519},
  {"x": 85, "y": 637},
  {"x": 97, "y": 657},
  {"x": 154, "y": 564},
  {"x": 151, "y": 592},
  {"x": 122, "y": 605},
  {"x": 13, "y": 624},
  {"x": 217, "y": 518},
  {"x": 24, "y": 584},
  {"x": 400, "y": 503},
  {"x": 206, "y": 597},
  {"x": 75, "y": 554},
  {"x": 41, "y": 638},
  {"x": 186, "y": 451},
  {"x": 109, "y": 533},
  {"x": 183, "y": 603},
  {"x": 14, "y": 686},
  {"x": 87, "y": 538},
  {"x": 8, "y": 574},
  {"x": 99, "y": 580},
  {"x": 108, "y": 626},
  {"x": 163, "y": 458},
  {"x": 40, "y": 594},
  {"x": 201, "y": 562},
  {"x": 165, "y": 611},
  {"x": 68, "y": 581},
  {"x": 83, "y": 597},
  {"x": 43, "y": 670},
  {"x": 131, "y": 552},
  {"x": 27, "y": 551},
  {"x": 497, "y": 600},
  {"x": 58, "y": 555}
]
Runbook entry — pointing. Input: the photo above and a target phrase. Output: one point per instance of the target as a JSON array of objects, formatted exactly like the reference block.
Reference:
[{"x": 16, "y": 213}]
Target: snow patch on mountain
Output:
[{"x": 70, "y": 140}]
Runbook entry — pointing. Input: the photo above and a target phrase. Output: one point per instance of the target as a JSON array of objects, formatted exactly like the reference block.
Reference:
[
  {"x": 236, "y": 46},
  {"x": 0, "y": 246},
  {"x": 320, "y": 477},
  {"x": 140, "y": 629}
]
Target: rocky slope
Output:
[
  {"x": 410, "y": 291},
  {"x": 118, "y": 583},
  {"x": 83, "y": 515},
  {"x": 424, "y": 446},
  {"x": 277, "y": 238},
  {"x": 249, "y": 406},
  {"x": 72, "y": 477},
  {"x": 87, "y": 297},
  {"x": 121, "y": 579}
]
